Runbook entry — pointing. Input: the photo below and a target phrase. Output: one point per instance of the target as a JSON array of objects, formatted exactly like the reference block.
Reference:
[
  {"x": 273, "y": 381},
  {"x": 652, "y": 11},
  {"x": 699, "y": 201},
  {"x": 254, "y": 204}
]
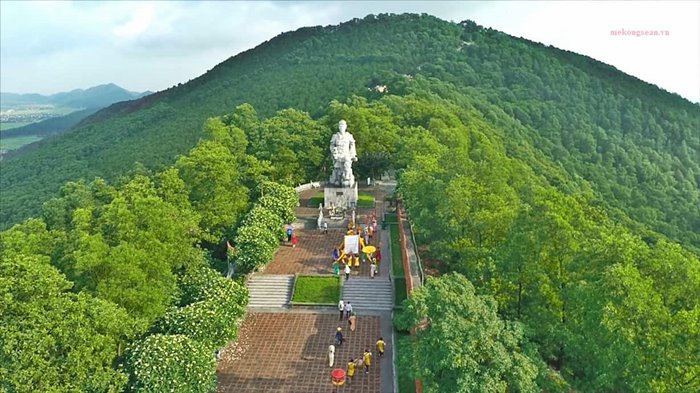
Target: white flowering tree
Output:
[
  {"x": 212, "y": 318},
  {"x": 170, "y": 363}
]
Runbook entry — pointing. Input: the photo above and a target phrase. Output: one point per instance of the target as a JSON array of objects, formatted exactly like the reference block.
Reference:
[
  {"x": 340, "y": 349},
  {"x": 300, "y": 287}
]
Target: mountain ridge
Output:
[
  {"x": 92, "y": 97},
  {"x": 583, "y": 113}
]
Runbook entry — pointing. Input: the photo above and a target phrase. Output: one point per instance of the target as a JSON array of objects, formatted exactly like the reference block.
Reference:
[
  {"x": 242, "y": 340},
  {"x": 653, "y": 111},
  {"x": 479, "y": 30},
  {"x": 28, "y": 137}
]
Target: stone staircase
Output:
[
  {"x": 268, "y": 290},
  {"x": 367, "y": 294}
]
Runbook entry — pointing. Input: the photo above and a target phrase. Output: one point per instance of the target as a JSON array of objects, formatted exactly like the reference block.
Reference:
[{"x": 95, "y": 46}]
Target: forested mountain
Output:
[
  {"x": 549, "y": 193},
  {"x": 93, "y": 97},
  {"x": 636, "y": 144}
]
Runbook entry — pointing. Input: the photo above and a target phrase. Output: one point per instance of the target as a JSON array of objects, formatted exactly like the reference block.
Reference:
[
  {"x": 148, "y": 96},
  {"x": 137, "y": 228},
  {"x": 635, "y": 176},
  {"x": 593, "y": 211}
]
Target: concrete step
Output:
[
  {"x": 268, "y": 290},
  {"x": 368, "y": 294}
]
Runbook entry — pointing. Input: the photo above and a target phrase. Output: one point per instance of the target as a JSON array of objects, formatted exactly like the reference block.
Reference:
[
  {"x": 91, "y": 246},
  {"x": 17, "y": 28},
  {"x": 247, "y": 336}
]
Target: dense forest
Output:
[
  {"x": 636, "y": 145},
  {"x": 556, "y": 199},
  {"x": 119, "y": 287}
]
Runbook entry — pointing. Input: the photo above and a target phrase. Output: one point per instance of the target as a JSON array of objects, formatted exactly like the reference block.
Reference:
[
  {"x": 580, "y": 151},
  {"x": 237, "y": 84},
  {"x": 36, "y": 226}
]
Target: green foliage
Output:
[
  {"x": 211, "y": 175},
  {"x": 633, "y": 143},
  {"x": 123, "y": 244},
  {"x": 291, "y": 141},
  {"x": 52, "y": 340},
  {"x": 259, "y": 235},
  {"x": 279, "y": 199},
  {"x": 406, "y": 384},
  {"x": 315, "y": 289},
  {"x": 462, "y": 345},
  {"x": 545, "y": 247},
  {"x": 170, "y": 363},
  {"x": 212, "y": 308}
]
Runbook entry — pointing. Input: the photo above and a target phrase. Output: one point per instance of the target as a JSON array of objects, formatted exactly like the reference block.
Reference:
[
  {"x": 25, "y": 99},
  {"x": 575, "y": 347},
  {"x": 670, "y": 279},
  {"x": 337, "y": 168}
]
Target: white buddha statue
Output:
[{"x": 343, "y": 153}]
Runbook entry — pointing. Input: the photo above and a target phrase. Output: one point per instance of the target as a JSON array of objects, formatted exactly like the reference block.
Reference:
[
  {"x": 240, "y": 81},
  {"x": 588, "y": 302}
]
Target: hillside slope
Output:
[{"x": 637, "y": 145}]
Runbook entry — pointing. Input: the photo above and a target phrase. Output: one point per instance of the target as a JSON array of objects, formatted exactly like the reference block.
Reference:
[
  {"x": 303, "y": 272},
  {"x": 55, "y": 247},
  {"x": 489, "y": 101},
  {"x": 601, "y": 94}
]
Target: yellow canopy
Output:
[{"x": 369, "y": 249}]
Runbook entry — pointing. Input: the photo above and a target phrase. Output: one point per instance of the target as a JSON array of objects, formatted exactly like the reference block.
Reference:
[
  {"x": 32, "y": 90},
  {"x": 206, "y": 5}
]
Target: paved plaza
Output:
[
  {"x": 312, "y": 255},
  {"x": 287, "y": 352}
]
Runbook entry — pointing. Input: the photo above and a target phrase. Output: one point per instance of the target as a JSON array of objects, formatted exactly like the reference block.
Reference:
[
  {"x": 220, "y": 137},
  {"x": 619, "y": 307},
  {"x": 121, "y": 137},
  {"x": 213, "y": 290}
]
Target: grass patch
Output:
[
  {"x": 391, "y": 218},
  {"x": 397, "y": 264},
  {"x": 363, "y": 200},
  {"x": 399, "y": 291},
  {"x": 406, "y": 384},
  {"x": 316, "y": 289},
  {"x": 17, "y": 142},
  {"x": 316, "y": 199}
]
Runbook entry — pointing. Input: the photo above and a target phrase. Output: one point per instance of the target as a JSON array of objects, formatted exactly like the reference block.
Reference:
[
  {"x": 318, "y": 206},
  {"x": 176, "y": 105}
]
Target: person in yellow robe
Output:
[
  {"x": 380, "y": 346},
  {"x": 350, "y": 371},
  {"x": 366, "y": 359}
]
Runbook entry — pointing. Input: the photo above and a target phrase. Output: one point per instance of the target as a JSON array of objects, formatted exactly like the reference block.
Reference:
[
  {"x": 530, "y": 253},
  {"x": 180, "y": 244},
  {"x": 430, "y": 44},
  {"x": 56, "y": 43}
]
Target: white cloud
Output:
[{"x": 138, "y": 23}]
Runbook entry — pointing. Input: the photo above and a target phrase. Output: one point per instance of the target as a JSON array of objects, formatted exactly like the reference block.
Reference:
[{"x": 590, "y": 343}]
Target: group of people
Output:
[{"x": 346, "y": 310}]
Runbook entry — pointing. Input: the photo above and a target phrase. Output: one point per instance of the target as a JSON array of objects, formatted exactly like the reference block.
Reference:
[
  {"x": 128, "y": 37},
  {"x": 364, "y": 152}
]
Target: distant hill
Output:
[
  {"x": 635, "y": 144},
  {"x": 94, "y": 97}
]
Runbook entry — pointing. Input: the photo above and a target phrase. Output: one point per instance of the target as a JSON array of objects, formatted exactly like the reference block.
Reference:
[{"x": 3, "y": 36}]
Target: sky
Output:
[{"x": 50, "y": 46}]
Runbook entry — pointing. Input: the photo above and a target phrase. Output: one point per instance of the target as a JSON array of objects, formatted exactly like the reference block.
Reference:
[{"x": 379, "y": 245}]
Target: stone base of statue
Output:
[{"x": 339, "y": 197}]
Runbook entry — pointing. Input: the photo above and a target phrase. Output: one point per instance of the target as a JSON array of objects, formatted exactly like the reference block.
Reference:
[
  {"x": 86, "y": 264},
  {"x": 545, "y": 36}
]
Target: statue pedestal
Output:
[{"x": 339, "y": 196}]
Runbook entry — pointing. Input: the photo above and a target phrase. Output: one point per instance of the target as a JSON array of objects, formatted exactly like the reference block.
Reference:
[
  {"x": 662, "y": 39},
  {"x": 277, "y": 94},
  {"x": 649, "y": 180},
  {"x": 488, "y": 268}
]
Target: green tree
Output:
[
  {"x": 52, "y": 340},
  {"x": 212, "y": 177},
  {"x": 461, "y": 344},
  {"x": 170, "y": 363}
]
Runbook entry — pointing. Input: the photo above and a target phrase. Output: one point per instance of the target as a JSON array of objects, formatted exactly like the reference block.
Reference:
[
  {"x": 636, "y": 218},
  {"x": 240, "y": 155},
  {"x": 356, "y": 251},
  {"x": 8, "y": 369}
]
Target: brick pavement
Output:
[
  {"x": 287, "y": 352},
  {"x": 312, "y": 255}
]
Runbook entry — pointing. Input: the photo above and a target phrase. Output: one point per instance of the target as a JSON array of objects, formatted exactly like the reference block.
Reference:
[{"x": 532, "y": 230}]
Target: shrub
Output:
[
  {"x": 212, "y": 320},
  {"x": 170, "y": 363}
]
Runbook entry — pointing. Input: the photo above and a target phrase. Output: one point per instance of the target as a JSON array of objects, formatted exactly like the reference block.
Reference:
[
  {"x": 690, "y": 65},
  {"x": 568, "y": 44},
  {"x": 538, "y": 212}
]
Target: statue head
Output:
[{"x": 342, "y": 126}]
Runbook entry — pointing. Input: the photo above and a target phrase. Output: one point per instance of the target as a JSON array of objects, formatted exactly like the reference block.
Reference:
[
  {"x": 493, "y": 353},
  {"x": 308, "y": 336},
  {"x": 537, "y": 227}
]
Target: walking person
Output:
[
  {"x": 339, "y": 337},
  {"x": 350, "y": 370},
  {"x": 289, "y": 232},
  {"x": 366, "y": 360},
  {"x": 378, "y": 258},
  {"x": 295, "y": 240},
  {"x": 347, "y": 271},
  {"x": 331, "y": 355},
  {"x": 372, "y": 270},
  {"x": 348, "y": 309},
  {"x": 341, "y": 308},
  {"x": 352, "y": 321},
  {"x": 380, "y": 346},
  {"x": 325, "y": 228}
]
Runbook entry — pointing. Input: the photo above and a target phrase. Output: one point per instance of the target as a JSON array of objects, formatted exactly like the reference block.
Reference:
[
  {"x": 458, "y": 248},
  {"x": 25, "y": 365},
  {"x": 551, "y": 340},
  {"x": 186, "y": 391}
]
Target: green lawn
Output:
[
  {"x": 17, "y": 142},
  {"x": 316, "y": 289},
  {"x": 363, "y": 199},
  {"x": 316, "y": 199},
  {"x": 390, "y": 218},
  {"x": 397, "y": 263}
]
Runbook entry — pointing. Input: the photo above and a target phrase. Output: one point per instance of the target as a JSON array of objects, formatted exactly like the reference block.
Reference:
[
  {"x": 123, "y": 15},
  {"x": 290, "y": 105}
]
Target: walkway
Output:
[{"x": 285, "y": 350}]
